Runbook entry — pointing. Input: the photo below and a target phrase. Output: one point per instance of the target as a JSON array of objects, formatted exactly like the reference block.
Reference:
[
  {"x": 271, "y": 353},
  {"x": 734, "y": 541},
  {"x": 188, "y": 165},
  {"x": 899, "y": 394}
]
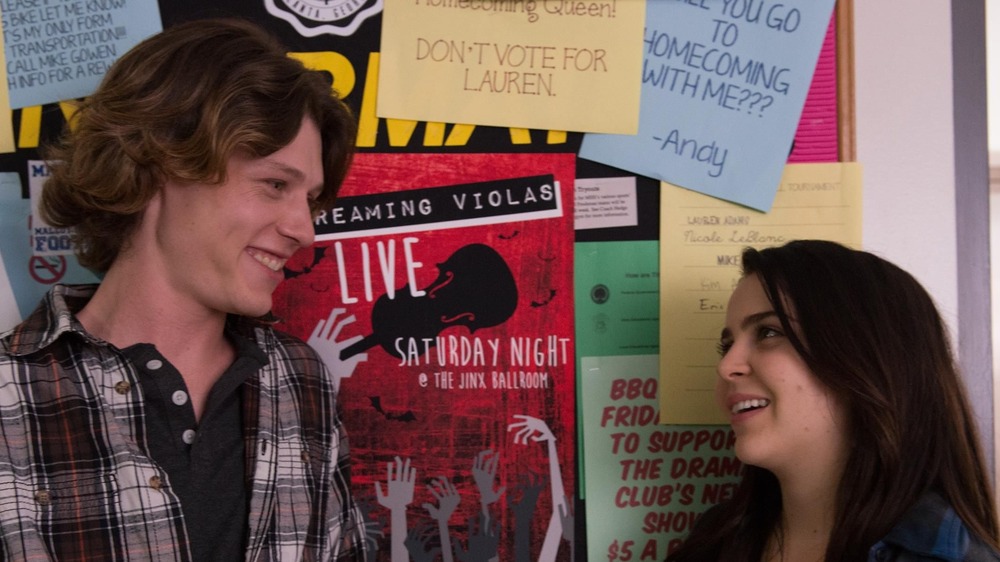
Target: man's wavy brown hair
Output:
[{"x": 177, "y": 107}]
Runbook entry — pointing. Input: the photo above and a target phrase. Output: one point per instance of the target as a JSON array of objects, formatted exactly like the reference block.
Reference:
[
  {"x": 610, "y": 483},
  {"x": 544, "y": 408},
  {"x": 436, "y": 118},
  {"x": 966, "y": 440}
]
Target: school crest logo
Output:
[{"x": 315, "y": 17}]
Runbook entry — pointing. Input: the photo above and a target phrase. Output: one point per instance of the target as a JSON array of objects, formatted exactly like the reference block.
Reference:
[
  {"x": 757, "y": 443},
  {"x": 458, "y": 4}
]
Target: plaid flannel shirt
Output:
[{"x": 76, "y": 482}]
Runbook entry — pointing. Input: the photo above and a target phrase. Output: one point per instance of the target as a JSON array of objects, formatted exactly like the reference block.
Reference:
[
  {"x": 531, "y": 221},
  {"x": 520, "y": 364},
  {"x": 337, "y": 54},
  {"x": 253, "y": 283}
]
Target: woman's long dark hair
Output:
[{"x": 871, "y": 333}]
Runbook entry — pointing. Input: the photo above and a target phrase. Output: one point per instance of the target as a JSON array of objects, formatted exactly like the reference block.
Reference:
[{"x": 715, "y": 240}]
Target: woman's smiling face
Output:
[{"x": 783, "y": 416}]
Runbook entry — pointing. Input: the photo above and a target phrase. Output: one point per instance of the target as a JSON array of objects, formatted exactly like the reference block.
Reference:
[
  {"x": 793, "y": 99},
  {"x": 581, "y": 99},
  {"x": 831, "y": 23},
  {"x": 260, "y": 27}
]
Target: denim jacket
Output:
[{"x": 931, "y": 531}]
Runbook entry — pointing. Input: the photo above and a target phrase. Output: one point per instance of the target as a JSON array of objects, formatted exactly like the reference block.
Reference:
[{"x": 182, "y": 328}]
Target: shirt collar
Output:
[
  {"x": 54, "y": 317},
  {"x": 245, "y": 337},
  {"x": 931, "y": 528}
]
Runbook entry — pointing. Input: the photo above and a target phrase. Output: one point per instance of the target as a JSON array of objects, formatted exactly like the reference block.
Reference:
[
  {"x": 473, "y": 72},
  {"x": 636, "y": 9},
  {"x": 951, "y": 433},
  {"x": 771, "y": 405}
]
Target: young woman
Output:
[{"x": 850, "y": 416}]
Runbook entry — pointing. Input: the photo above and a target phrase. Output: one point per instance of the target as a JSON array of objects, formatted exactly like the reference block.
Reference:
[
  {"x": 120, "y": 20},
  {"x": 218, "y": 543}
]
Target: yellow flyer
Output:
[
  {"x": 556, "y": 65},
  {"x": 701, "y": 239}
]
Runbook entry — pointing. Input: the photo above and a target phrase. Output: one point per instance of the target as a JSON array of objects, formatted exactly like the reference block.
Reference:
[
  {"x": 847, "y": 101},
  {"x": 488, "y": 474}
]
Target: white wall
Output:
[
  {"x": 993, "y": 77},
  {"x": 905, "y": 140},
  {"x": 993, "y": 119}
]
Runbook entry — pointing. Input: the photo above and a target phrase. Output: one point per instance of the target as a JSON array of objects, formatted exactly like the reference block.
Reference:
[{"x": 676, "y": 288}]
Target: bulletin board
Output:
[
  {"x": 492, "y": 411},
  {"x": 845, "y": 79}
]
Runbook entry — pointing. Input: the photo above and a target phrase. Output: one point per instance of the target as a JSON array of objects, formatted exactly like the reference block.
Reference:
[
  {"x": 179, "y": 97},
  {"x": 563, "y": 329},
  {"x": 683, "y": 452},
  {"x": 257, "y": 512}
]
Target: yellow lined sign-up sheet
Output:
[{"x": 701, "y": 239}]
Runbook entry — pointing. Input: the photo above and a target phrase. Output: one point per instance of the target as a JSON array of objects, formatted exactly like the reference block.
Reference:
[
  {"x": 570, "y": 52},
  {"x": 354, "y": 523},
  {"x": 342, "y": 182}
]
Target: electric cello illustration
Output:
[{"x": 474, "y": 288}]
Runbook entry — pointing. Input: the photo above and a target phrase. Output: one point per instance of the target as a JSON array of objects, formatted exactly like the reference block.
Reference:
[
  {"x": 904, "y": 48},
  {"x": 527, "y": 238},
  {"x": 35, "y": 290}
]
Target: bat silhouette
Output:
[
  {"x": 552, "y": 295},
  {"x": 406, "y": 416},
  {"x": 317, "y": 256}
]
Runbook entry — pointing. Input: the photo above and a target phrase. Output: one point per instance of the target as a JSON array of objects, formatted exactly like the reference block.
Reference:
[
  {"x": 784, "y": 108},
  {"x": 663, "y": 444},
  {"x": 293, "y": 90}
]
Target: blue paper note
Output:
[
  {"x": 724, "y": 82},
  {"x": 30, "y": 276},
  {"x": 61, "y": 50}
]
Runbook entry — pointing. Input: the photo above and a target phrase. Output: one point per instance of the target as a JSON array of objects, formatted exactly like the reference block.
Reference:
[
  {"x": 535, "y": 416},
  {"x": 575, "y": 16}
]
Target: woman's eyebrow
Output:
[
  {"x": 757, "y": 318},
  {"x": 748, "y": 321}
]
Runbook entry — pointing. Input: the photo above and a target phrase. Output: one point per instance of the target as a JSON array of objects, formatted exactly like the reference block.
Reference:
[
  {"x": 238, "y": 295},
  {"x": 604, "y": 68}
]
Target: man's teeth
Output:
[
  {"x": 745, "y": 405},
  {"x": 269, "y": 262}
]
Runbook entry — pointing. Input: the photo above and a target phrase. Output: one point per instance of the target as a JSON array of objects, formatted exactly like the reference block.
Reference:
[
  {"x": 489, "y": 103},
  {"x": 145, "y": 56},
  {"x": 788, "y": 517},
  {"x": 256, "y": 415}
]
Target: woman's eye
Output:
[
  {"x": 766, "y": 332},
  {"x": 277, "y": 184},
  {"x": 724, "y": 346}
]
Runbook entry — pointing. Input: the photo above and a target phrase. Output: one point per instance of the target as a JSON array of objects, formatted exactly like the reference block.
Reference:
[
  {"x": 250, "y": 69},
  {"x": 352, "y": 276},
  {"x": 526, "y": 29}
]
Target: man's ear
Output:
[{"x": 148, "y": 218}]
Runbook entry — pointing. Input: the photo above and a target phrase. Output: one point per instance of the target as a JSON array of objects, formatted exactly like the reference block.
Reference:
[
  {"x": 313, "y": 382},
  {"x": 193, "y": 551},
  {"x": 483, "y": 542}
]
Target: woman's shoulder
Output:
[
  {"x": 931, "y": 530},
  {"x": 979, "y": 552}
]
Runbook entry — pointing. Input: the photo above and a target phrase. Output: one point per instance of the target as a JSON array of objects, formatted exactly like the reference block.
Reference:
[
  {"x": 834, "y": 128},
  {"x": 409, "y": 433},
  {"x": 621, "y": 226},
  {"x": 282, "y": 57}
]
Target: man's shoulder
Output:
[
  {"x": 287, "y": 339},
  {"x": 294, "y": 349}
]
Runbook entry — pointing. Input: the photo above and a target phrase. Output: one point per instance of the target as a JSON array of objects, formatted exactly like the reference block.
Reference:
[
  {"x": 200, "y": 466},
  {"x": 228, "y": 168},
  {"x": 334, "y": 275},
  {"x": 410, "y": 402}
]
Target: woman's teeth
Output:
[{"x": 744, "y": 405}]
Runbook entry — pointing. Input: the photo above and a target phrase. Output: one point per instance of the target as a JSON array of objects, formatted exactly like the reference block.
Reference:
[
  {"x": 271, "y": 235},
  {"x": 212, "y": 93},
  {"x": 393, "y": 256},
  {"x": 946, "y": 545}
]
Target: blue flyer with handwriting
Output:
[
  {"x": 60, "y": 50},
  {"x": 723, "y": 86}
]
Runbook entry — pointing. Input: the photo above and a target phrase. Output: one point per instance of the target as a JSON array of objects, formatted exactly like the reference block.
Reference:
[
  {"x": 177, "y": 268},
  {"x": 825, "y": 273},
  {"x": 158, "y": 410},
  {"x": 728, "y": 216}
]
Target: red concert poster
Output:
[{"x": 440, "y": 293}]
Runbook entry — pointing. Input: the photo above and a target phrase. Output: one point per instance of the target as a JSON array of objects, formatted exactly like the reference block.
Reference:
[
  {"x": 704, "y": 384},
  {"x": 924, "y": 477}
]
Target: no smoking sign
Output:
[{"x": 47, "y": 269}]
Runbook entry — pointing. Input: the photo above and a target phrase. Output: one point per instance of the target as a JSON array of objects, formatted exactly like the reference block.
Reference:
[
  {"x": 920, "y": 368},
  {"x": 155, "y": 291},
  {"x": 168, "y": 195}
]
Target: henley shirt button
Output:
[
  {"x": 43, "y": 497},
  {"x": 179, "y": 397},
  {"x": 188, "y": 436},
  {"x": 122, "y": 387},
  {"x": 155, "y": 482},
  {"x": 305, "y": 456},
  {"x": 154, "y": 364}
]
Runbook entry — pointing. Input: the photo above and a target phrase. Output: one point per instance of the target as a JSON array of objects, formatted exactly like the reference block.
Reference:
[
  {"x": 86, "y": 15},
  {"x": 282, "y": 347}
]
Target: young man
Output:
[{"x": 157, "y": 416}]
